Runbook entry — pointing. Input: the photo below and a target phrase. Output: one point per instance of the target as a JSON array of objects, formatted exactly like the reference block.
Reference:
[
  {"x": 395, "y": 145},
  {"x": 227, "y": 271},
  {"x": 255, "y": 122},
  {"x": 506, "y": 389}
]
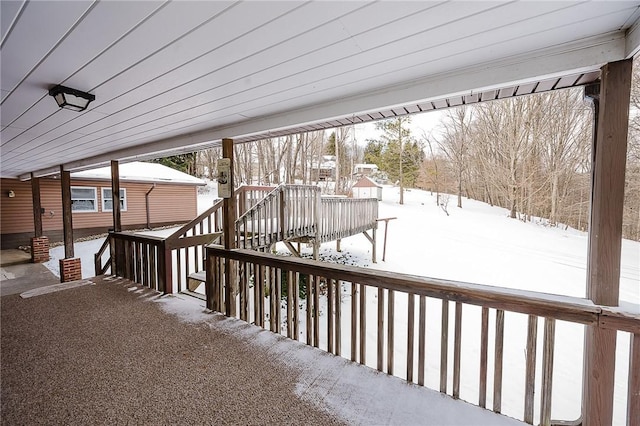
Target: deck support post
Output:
[
  {"x": 67, "y": 220},
  {"x": 117, "y": 248},
  {"x": 39, "y": 243},
  {"x": 609, "y": 150},
  {"x": 229, "y": 220},
  {"x": 37, "y": 206},
  {"x": 115, "y": 196}
]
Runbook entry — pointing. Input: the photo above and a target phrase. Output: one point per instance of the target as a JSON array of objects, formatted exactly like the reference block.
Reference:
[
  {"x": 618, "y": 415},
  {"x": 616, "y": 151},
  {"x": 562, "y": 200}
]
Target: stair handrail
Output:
[{"x": 217, "y": 204}]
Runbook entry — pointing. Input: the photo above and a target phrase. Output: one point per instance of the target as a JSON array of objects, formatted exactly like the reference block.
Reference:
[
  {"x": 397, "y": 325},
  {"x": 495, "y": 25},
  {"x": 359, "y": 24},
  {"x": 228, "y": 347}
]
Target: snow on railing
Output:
[{"x": 298, "y": 212}]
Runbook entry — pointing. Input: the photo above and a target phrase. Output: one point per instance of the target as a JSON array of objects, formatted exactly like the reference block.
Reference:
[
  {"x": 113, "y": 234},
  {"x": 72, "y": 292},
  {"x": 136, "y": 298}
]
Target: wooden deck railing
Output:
[
  {"x": 288, "y": 211},
  {"x": 342, "y": 217},
  {"x": 298, "y": 212},
  {"x": 165, "y": 264},
  {"x": 264, "y": 281}
]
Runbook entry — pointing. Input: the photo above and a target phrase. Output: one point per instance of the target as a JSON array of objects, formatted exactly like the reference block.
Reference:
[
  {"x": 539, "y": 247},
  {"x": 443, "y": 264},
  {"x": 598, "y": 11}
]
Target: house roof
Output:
[
  {"x": 366, "y": 166},
  {"x": 365, "y": 182},
  {"x": 173, "y": 77},
  {"x": 141, "y": 172}
]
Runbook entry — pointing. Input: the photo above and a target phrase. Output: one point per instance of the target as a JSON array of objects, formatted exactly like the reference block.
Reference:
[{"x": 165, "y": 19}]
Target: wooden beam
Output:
[
  {"x": 37, "y": 206},
  {"x": 609, "y": 153},
  {"x": 115, "y": 195},
  {"x": 229, "y": 221},
  {"x": 67, "y": 220}
]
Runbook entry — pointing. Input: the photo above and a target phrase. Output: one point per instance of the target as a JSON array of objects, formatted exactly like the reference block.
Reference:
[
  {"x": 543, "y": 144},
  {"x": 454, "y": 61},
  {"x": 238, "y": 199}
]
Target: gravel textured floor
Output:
[{"x": 96, "y": 355}]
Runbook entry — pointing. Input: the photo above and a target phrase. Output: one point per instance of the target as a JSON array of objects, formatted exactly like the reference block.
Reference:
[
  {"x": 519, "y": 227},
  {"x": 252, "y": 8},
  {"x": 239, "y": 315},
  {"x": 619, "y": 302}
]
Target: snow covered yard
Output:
[
  {"x": 477, "y": 244},
  {"x": 480, "y": 244}
]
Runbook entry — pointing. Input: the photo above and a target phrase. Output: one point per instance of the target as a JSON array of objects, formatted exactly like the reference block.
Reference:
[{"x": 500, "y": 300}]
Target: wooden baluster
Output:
[
  {"x": 633, "y": 392},
  {"x": 390, "y": 331},
  {"x": 354, "y": 322},
  {"x": 290, "y": 309},
  {"x": 296, "y": 302},
  {"x": 145, "y": 264},
  {"x": 338, "y": 321},
  {"x": 138, "y": 246},
  {"x": 277, "y": 297},
  {"x": 497, "y": 369},
  {"x": 410, "y": 333},
  {"x": 380, "y": 329},
  {"x": 484, "y": 349},
  {"x": 330, "y": 318},
  {"x": 457, "y": 346},
  {"x": 363, "y": 324},
  {"x": 242, "y": 288},
  {"x": 260, "y": 296},
  {"x": 422, "y": 336},
  {"x": 272, "y": 299},
  {"x": 309, "y": 310},
  {"x": 444, "y": 345},
  {"x": 215, "y": 284},
  {"x": 186, "y": 264},
  {"x": 316, "y": 311},
  {"x": 547, "y": 371},
  {"x": 153, "y": 268},
  {"x": 179, "y": 267},
  {"x": 530, "y": 372}
]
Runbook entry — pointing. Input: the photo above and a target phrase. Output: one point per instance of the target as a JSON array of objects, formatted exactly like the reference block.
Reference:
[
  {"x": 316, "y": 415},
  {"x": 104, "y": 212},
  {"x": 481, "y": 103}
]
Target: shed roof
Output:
[
  {"x": 365, "y": 182},
  {"x": 141, "y": 172}
]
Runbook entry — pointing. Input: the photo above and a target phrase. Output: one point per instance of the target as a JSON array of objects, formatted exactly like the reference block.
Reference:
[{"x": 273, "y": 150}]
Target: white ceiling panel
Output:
[
  {"x": 40, "y": 27},
  {"x": 172, "y": 76}
]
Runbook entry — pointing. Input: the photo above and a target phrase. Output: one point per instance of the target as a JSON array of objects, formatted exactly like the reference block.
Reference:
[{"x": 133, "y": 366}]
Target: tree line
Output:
[{"x": 529, "y": 154}]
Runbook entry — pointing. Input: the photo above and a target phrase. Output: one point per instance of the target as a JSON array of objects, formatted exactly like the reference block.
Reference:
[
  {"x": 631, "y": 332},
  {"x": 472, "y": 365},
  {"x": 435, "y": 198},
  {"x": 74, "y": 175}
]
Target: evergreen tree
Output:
[
  {"x": 184, "y": 162},
  {"x": 401, "y": 155},
  {"x": 373, "y": 152}
]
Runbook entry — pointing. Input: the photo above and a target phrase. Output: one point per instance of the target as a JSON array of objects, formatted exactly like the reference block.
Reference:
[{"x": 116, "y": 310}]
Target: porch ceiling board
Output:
[{"x": 173, "y": 77}]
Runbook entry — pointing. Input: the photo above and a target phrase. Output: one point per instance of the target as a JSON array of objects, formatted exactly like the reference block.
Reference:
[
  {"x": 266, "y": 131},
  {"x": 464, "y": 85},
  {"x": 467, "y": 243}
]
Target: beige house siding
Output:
[{"x": 168, "y": 204}]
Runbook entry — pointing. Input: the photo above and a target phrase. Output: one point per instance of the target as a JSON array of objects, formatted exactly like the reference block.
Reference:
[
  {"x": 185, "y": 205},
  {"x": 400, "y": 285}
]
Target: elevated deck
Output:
[{"x": 298, "y": 213}]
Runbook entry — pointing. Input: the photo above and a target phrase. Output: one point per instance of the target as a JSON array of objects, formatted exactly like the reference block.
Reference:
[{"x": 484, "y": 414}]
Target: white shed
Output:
[{"x": 366, "y": 188}]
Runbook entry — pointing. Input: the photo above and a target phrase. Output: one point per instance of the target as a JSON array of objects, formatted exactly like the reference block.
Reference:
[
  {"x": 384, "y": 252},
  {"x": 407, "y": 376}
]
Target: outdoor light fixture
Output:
[{"x": 72, "y": 99}]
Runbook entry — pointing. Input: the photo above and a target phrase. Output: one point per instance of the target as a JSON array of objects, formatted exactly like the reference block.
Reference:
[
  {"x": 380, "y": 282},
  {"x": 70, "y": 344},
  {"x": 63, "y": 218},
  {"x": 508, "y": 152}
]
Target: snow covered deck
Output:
[{"x": 113, "y": 351}]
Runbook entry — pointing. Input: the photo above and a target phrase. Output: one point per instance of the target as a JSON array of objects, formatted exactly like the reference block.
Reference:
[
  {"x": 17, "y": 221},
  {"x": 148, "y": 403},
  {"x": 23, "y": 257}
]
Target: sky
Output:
[{"x": 427, "y": 122}]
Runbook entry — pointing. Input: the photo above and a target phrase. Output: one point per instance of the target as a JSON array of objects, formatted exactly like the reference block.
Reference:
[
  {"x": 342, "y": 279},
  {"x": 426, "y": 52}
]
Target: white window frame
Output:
[
  {"x": 94, "y": 199},
  {"x": 123, "y": 199}
]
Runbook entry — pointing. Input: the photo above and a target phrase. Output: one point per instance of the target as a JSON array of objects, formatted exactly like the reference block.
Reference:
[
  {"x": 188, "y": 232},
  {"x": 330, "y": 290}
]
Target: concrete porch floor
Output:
[{"x": 107, "y": 351}]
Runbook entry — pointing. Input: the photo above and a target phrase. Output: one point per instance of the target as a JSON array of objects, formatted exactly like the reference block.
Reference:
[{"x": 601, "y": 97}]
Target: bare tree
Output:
[{"x": 454, "y": 142}]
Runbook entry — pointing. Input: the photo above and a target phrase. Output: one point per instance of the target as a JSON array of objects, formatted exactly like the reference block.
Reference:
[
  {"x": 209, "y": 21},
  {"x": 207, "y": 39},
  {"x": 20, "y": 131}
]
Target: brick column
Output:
[
  {"x": 39, "y": 249},
  {"x": 70, "y": 270}
]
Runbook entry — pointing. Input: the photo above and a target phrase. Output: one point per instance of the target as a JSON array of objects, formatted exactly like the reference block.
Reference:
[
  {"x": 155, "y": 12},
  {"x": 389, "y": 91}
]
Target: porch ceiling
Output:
[{"x": 178, "y": 76}]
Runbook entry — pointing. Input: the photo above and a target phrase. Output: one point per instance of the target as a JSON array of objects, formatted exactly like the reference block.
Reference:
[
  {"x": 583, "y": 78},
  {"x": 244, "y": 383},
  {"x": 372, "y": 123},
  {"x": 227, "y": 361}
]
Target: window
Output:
[
  {"x": 84, "y": 199},
  {"x": 107, "y": 200}
]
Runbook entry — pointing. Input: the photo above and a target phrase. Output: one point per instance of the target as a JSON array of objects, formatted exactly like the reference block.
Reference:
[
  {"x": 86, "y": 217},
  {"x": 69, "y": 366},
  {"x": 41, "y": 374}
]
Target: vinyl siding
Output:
[{"x": 168, "y": 204}]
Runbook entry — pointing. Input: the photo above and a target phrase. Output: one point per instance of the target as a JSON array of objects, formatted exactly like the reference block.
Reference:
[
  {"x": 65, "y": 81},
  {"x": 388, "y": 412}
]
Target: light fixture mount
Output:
[{"x": 72, "y": 99}]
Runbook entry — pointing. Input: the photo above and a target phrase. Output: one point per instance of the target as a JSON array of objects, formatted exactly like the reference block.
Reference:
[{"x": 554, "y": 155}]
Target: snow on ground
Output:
[
  {"x": 480, "y": 244},
  {"x": 356, "y": 395},
  {"x": 477, "y": 244}
]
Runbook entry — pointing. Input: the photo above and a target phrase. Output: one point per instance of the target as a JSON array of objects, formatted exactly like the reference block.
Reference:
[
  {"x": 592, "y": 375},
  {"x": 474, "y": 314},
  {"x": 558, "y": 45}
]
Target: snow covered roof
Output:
[
  {"x": 141, "y": 172},
  {"x": 365, "y": 166},
  {"x": 365, "y": 182}
]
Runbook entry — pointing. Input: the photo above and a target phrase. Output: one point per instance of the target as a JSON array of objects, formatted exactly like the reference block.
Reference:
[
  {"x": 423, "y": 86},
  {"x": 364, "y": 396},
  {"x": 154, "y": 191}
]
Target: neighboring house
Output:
[
  {"x": 366, "y": 188},
  {"x": 151, "y": 195},
  {"x": 364, "y": 169},
  {"x": 325, "y": 170}
]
